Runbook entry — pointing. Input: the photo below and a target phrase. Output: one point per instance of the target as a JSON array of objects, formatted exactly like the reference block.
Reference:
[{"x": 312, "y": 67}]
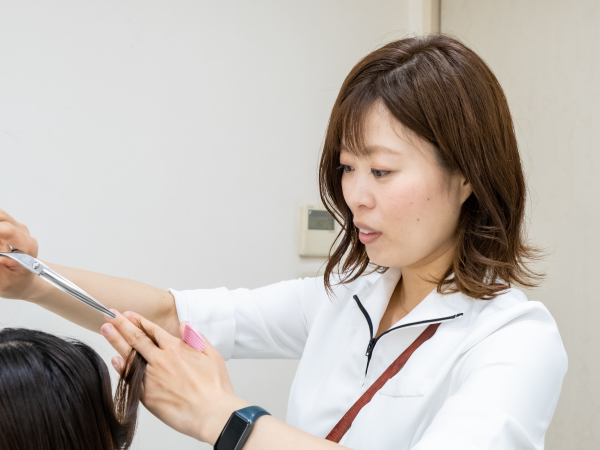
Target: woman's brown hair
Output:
[{"x": 446, "y": 94}]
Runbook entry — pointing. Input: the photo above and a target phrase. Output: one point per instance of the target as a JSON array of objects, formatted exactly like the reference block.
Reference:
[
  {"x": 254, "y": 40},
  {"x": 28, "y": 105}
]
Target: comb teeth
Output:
[{"x": 192, "y": 338}]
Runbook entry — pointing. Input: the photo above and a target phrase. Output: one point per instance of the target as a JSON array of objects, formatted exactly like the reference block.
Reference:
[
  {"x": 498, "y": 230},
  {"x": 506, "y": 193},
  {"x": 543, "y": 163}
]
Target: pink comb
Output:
[{"x": 192, "y": 338}]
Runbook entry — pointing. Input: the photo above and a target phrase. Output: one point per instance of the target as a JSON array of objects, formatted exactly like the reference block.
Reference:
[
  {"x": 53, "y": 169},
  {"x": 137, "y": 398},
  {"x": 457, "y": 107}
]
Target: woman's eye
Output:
[
  {"x": 344, "y": 168},
  {"x": 379, "y": 173}
]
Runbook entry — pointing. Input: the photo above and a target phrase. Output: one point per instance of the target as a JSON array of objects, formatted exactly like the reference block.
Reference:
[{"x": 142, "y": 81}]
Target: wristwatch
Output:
[{"x": 238, "y": 428}]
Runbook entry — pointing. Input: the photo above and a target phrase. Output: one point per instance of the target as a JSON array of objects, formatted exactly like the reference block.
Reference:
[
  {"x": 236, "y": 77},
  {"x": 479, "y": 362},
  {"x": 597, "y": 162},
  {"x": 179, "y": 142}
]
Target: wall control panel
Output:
[{"x": 318, "y": 230}]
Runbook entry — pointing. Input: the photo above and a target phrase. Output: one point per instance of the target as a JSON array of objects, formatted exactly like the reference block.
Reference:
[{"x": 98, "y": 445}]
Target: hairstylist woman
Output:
[{"x": 431, "y": 347}]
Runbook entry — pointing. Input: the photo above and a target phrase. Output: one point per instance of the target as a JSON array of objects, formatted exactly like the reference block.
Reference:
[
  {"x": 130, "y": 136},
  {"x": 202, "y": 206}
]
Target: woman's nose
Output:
[{"x": 358, "y": 193}]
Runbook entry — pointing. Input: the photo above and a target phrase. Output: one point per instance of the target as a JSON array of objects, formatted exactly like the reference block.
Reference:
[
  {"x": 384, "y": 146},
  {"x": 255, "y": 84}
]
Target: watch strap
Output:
[
  {"x": 252, "y": 413},
  {"x": 229, "y": 437}
]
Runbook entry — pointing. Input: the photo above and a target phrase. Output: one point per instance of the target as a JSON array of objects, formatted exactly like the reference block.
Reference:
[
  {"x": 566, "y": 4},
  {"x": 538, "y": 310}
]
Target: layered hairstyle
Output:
[
  {"x": 444, "y": 93},
  {"x": 56, "y": 394}
]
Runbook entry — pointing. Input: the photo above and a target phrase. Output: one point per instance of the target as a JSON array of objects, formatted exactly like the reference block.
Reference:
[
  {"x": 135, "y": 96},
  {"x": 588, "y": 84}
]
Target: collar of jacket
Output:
[{"x": 375, "y": 299}]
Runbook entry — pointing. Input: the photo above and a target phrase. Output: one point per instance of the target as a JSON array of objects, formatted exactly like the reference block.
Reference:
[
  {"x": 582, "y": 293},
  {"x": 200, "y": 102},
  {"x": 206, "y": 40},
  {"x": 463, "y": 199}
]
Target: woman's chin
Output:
[
  {"x": 386, "y": 257},
  {"x": 380, "y": 258}
]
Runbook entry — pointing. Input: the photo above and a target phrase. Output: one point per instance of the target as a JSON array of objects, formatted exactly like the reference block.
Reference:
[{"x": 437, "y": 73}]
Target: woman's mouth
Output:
[{"x": 366, "y": 237}]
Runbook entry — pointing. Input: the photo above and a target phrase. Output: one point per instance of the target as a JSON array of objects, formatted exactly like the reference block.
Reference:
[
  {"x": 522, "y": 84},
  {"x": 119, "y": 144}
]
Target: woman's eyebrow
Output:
[{"x": 375, "y": 149}]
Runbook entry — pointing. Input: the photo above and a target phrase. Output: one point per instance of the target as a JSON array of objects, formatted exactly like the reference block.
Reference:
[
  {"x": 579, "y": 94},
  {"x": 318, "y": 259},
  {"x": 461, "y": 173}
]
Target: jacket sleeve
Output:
[
  {"x": 504, "y": 390},
  {"x": 269, "y": 322}
]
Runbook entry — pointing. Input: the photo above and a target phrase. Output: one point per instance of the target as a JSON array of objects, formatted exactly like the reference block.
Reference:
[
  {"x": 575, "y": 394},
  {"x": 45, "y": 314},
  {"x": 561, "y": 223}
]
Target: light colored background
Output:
[
  {"x": 546, "y": 54},
  {"x": 173, "y": 143}
]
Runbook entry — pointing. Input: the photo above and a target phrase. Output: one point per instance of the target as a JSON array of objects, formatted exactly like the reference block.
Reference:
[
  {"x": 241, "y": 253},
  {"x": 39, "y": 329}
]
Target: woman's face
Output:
[{"x": 400, "y": 195}]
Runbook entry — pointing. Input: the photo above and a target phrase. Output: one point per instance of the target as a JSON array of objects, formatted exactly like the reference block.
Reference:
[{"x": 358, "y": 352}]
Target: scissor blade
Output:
[
  {"x": 68, "y": 290},
  {"x": 58, "y": 281},
  {"x": 79, "y": 296},
  {"x": 66, "y": 286}
]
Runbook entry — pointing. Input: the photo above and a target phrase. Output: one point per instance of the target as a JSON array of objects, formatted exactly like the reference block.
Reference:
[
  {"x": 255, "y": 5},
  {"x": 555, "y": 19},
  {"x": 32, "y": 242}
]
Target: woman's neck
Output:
[
  {"x": 415, "y": 283},
  {"x": 419, "y": 279}
]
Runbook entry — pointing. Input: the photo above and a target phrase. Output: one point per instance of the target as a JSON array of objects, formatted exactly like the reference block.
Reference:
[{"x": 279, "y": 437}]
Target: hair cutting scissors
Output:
[{"x": 56, "y": 280}]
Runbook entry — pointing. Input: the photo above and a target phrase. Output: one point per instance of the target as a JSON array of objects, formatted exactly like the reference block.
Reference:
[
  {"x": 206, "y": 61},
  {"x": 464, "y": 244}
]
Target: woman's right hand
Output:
[{"x": 16, "y": 282}]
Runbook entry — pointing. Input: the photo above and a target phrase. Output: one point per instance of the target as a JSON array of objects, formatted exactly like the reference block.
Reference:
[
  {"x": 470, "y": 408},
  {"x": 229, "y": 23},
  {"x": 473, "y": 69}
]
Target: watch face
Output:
[{"x": 234, "y": 431}]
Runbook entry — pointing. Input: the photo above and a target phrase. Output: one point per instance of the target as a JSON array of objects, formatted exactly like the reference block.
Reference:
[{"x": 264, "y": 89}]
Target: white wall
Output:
[
  {"x": 173, "y": 142},
  {"x": 546, "y": 54}
]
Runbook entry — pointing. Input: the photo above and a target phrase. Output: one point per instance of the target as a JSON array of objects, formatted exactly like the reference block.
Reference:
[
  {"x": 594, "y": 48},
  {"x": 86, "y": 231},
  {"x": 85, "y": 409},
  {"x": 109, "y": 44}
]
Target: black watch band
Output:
[{"x": 238, "y": 428}]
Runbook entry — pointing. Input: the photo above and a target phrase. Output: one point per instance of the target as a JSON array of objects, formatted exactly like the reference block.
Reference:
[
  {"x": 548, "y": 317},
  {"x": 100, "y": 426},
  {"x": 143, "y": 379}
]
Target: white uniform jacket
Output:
[{"x": 488, "y": 379}]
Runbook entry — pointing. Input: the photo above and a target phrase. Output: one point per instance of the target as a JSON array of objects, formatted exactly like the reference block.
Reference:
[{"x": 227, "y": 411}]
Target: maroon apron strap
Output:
[{"x": 345, "y": 422}]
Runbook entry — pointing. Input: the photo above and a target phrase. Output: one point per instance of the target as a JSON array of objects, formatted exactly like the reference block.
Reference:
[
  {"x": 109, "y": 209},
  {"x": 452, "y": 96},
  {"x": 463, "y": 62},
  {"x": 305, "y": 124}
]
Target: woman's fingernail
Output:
[
  {"x": 116, "y": 363},
  {"x": 128, "y": 314},
  {"x": 107, "y": 329}
]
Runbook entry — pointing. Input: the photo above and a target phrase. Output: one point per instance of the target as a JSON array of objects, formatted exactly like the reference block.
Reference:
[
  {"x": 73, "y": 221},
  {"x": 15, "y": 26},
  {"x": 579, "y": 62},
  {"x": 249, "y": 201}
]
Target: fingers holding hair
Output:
[
  {"x": 123, "y": 335},
  {"x": 115, "y": 339},
  {"x": 159, "y": 336}
]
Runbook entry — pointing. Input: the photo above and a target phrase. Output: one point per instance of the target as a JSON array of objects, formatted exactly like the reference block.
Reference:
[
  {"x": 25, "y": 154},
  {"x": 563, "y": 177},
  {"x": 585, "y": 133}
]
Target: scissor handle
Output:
[{"x": 27, "y": 261}]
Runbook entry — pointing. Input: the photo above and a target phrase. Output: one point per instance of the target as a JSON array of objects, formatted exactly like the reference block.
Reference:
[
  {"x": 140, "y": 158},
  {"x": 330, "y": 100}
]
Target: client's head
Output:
[{"x": 56, "y": 393}]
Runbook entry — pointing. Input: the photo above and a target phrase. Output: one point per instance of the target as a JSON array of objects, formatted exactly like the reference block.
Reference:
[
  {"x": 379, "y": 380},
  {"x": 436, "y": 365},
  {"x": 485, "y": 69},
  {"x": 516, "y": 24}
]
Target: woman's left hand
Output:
[{"x": 188, "y": 390}]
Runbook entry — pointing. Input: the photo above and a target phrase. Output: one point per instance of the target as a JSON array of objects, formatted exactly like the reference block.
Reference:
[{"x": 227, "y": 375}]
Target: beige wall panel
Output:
[{"x": 546, "y": 55}]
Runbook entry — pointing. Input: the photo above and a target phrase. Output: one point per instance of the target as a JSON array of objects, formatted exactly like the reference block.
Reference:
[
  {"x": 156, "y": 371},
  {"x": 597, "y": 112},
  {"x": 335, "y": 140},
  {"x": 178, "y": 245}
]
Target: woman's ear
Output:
[{"x": 465, "y": 189}]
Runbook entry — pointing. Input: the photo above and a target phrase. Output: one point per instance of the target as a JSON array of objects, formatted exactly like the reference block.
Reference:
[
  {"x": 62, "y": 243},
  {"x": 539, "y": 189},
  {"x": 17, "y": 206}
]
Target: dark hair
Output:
[
  {"x": 444, "y": 93},
  {"x": 56, "y": 394},
  {"x": 129, "y": 388}
]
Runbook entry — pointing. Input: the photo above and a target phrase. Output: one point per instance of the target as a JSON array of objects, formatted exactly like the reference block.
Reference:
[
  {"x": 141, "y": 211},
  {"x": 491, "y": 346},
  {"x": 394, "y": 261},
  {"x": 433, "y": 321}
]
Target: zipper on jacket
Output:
[{"x": 373, "y": 340}]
